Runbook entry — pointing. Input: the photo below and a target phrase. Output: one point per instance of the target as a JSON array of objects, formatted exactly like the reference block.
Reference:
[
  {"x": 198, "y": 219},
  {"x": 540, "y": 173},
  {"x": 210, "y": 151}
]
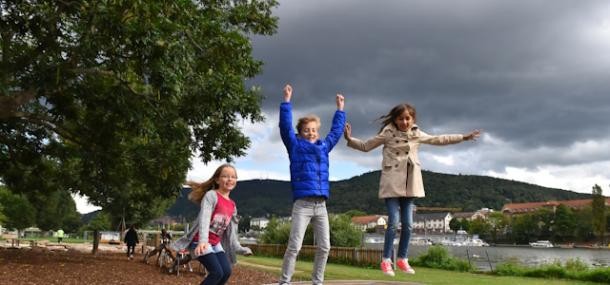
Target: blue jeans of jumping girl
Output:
[
  {"x": 399, "y": 209},
  {"x": 216, "y": 262}
]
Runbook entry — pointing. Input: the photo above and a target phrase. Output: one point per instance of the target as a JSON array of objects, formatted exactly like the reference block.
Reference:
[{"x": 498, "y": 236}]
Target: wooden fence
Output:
[{"x": 343, "y": 255}]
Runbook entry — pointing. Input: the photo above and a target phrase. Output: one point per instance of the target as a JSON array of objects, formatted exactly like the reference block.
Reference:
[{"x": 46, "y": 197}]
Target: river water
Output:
[{"x": 486, "y": 258}]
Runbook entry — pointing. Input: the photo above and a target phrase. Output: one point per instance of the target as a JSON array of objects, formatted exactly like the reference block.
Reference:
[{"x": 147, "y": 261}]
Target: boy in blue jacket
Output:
[{"x": 308, "y": 156}]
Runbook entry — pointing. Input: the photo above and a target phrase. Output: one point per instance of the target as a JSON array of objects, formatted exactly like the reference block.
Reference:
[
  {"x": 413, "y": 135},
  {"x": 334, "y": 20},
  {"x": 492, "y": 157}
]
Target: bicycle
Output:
[
  {"x": 184, "y": 258},
  {"x": 165, "y": 258}
]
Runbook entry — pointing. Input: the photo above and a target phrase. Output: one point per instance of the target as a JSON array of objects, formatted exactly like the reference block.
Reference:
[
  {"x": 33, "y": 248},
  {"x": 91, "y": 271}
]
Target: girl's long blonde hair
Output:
[{"x": 199, "y": 189}]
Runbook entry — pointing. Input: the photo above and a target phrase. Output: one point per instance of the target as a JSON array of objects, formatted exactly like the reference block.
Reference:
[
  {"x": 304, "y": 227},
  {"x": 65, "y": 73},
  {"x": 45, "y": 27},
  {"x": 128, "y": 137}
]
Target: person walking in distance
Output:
[{"x": 131, "y": 239}]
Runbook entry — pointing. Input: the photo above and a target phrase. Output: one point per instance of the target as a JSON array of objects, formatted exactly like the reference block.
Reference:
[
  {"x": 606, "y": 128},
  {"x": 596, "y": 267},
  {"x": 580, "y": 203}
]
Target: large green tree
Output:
[
  {"x": 498, "y": 223},
  {"x": 110, "y": 98},
  {"x": 19, "y": 213},
  {"x": 525, "y": 228},
  {"x": 455, "y": 224},
  {"x": 584, "y": 224},
  {"x": 564, "y": 228},
  {"x": 599, "y": 213},
  {"x": 343, "y": 232}
]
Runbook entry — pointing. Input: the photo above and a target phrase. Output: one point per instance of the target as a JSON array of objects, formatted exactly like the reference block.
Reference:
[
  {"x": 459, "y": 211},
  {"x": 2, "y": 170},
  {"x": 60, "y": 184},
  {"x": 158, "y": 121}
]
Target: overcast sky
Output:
[{"x": 533, "y": 75}]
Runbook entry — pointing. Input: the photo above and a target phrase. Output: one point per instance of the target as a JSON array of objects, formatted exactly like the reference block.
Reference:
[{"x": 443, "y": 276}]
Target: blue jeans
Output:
[
  {"x": 399, "y": 209},
  {"x": 218, "y": 267}
]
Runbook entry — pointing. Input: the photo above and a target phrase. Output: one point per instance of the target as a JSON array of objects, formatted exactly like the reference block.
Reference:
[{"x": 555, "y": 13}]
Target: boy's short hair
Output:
[{"x": 307, "y": 119}]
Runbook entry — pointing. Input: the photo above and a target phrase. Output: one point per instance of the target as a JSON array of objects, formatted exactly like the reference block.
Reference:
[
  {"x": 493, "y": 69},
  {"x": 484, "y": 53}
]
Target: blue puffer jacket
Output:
[{"x": 309, "y": 161}]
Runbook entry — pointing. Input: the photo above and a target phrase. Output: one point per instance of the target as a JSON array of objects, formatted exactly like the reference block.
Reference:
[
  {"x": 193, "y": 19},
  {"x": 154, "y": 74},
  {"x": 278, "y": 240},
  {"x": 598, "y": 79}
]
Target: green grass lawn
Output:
[
  {"x": 423, "y": 276},
  {"x": 54, "y": 239}
]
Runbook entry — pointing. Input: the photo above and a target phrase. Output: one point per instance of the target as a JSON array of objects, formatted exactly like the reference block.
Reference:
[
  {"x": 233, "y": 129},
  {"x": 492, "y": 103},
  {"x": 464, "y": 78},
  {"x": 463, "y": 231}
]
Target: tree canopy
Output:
[
  {"x": 599, "y": 212},
  {"x": 109, "y": 99}
]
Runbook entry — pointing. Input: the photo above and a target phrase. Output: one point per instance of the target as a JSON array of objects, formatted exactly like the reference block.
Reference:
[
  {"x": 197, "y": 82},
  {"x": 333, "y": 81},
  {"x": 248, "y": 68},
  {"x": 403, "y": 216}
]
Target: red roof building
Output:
[
  {"x": 523, "y": 208},
  {"x": 368, "y": 222}
]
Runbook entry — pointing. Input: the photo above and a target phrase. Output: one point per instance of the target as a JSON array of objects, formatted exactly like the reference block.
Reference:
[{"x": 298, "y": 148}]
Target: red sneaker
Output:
[
  {"x": 403, "y": 265},
  {"x": 386, "y": 267}
]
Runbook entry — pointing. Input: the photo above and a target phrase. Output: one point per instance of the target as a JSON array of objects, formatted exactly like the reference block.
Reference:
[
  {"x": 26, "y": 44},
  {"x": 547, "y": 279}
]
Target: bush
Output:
[
  {"x": 601, "y": 275},
  {"x": 576, "y": 265},
  {"x": 573, "y": 269},
  {"x": 277, "y": 232},
  {"x": 510, "y": 268},
  {"x": 438, "y": 257},
  {"x": 553, "y": 270}
]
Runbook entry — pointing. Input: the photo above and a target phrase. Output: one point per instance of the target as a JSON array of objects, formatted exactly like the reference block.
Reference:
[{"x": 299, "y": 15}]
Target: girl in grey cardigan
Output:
[{"x": 213, "y": 239}]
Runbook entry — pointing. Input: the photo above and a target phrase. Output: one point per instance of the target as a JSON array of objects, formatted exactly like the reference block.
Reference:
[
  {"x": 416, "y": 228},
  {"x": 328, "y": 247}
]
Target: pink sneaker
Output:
[
  {"x": 386, "y": 267},
  {"x": 403, "y": 265}
]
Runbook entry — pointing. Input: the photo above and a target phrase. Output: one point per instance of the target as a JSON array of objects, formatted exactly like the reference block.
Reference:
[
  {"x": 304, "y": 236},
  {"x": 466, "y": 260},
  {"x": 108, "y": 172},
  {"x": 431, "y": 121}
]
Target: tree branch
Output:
[{"x": 9, "y": 105}]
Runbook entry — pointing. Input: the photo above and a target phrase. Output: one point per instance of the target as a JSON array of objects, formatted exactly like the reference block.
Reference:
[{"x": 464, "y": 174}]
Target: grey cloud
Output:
[{"x": 527, "y": 72}]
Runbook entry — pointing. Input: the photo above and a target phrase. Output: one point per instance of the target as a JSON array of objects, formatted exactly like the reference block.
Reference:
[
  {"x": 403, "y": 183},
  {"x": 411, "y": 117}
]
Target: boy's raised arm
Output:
[
  {"x": 336, "y": 130},
  {"x": 287, "y": 93},
  {"x": 340, "y": 101},
  {"x": 286, "y": 131}
]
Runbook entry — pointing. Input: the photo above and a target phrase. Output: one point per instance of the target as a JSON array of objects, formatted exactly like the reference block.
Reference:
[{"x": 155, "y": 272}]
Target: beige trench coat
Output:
[{"x": 400, "y": 168}]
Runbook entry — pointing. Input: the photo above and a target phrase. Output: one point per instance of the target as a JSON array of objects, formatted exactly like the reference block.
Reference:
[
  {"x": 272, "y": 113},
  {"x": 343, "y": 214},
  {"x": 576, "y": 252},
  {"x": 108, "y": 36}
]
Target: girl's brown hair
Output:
[
  {"x": 199, "y": 189},
  {"x": 395, "y": 112}
]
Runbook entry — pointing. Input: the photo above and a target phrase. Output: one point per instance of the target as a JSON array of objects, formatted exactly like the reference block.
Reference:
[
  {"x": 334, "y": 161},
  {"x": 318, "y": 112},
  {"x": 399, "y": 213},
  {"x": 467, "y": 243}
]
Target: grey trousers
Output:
[{"x": 303, "y": 211}]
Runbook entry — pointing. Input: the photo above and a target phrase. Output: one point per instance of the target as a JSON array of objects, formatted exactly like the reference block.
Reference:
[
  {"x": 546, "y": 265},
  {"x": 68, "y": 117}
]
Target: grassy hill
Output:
[{"x": 468, "y": 192}]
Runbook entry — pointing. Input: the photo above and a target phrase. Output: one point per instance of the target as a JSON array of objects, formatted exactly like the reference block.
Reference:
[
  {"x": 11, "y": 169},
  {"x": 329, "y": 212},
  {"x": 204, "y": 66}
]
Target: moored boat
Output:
[{"x": 541, "y": 244}]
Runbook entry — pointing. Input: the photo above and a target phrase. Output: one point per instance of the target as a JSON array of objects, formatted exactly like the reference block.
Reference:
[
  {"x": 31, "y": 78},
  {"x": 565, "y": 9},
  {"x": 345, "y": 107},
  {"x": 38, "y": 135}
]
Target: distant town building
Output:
[
  {"x": 370, "y": 222},
  {"x": 523, "y": 208},
  {"x": 464, "y": 215},
  {"x": 432, "y": 222},
  {"x": 259, "y": 223},
  {"x": 164, "y": 221},
  {"x": 483, "y": 213}
]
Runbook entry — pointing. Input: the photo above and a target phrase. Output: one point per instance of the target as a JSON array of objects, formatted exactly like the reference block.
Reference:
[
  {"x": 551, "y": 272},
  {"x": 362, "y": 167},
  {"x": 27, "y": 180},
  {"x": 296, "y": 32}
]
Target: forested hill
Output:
[{"x": 468, "y": 192}]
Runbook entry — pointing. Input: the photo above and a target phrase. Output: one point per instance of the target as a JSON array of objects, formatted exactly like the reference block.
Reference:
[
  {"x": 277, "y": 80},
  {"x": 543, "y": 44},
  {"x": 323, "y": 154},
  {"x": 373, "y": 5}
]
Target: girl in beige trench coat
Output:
[{"x": 401, "y": 179}]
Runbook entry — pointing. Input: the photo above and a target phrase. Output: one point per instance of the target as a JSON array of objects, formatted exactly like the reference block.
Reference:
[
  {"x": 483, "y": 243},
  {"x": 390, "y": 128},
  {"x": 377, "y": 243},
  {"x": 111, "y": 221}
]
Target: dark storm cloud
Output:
[{"x": 532, "y": 73}]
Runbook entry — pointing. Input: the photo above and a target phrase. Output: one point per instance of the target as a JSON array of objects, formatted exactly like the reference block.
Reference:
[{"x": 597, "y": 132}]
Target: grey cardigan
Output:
[{"x": 230, "y": 241}]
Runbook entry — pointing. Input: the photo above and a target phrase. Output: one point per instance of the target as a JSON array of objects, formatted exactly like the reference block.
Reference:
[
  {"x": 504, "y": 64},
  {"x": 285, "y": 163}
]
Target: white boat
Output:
[
  {"x": 475, "y": 242},
  {"x": 420, "y": 241},
  {"x": 541, "y": 244}
]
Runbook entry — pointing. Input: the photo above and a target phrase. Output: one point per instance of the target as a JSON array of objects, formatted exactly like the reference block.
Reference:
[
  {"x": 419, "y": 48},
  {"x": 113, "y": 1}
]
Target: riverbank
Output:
[{"x": 488, "y": 257}]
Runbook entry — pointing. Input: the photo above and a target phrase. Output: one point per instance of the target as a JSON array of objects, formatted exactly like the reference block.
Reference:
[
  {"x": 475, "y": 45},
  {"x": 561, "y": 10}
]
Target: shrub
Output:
[
  {"x": 576, "y": 265},
  {"x": 553, "y": 270},
  {"x": 573, "y": 269},
  {"x": 601, "y": 275},
  {"x": 439, "y": 257},
  {"x": 510, "y": 268}
]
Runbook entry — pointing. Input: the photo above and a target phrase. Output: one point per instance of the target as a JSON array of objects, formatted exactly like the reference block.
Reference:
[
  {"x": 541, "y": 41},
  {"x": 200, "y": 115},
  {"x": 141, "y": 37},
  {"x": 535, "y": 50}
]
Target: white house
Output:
[
  {"x": 259, "y": 223},
  {"x": 369, "y": 222},
  {"x": 432, "y": 222},
  {"x": 483, "y": 213}
]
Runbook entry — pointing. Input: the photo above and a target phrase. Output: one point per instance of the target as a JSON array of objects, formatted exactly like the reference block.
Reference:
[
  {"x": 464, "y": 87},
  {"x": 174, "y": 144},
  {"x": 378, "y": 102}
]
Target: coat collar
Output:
[{"x": 393, "y": 128}]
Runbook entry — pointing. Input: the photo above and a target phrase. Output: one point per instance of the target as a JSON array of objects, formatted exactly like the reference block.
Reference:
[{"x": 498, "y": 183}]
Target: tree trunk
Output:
[{"x": 96, "y": 241}]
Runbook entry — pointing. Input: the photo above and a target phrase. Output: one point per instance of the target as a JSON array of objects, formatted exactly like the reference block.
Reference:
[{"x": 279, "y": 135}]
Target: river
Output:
[{"x": 488, "y": 257}]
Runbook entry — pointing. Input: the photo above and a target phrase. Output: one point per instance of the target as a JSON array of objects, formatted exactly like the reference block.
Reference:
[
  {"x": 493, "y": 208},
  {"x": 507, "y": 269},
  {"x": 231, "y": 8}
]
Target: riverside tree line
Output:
[{"x": 561, "y": 224}]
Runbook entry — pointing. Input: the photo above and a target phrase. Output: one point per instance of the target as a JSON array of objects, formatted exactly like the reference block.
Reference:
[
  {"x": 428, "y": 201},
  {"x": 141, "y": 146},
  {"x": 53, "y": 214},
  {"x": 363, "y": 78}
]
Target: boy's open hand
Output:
[
  {"x": 287, "y": 93},
  {"x": 340, "y": 102}
]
